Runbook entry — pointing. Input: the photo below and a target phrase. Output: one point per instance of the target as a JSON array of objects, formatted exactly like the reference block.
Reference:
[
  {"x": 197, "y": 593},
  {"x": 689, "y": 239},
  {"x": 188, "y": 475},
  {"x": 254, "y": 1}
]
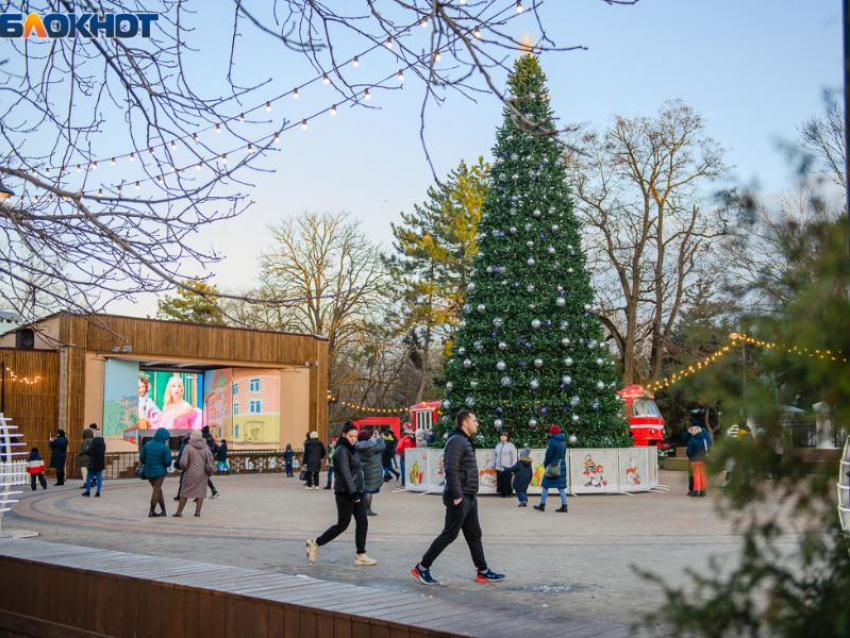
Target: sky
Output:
[{"x": 755, "y": 70}]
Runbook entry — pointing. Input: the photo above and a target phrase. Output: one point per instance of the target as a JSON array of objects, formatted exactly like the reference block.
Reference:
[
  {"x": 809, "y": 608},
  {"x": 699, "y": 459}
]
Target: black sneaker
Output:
[
  {"x": 488, "y": 576},
  {"x": 423, "y": 575}
]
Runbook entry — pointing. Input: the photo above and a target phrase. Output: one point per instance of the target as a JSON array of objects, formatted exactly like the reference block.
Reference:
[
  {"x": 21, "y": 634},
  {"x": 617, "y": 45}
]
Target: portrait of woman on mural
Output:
[{"x": 177, "y": 413}]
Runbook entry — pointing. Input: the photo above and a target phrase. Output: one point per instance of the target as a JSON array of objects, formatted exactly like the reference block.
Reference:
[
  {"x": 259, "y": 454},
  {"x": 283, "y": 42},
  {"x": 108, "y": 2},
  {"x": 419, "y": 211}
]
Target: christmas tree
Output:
[{"x": 530, "y": 352}]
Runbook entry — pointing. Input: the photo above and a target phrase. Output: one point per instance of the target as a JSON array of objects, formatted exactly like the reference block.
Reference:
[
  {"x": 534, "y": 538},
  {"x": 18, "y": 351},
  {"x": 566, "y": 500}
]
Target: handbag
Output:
[
  {"x": 553, "y": 470},
  {"x": 303, "y": 475},
  {"x": 140, "y": 472}
]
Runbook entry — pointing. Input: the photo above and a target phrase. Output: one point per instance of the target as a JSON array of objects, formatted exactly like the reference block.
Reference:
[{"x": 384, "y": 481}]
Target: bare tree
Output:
[
  {"x": 640, "y": 190},
  {"x": 74, "y": 107}
]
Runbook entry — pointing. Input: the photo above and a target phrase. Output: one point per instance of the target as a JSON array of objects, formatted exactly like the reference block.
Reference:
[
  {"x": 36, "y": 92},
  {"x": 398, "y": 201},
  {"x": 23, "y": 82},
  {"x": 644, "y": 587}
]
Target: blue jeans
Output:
[
  {"x": 545, "y": 494},
  {"x": 222, "y": 466},
  {"x": 98, "y": 476},
  {"x": 330, "y": 482},
  {"x": 522, "y": 496},
  {"x": 403, "y": 475}
]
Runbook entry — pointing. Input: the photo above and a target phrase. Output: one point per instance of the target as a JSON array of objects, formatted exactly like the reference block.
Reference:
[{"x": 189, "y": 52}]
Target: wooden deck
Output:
[{"x": 50, "y": 589}]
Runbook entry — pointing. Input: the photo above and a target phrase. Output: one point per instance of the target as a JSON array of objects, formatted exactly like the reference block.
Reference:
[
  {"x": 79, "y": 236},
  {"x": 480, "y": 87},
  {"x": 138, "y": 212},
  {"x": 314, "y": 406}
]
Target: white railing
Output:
[
  {"x": 13, "y": 466},
  {"x": 844, "y": 488}
]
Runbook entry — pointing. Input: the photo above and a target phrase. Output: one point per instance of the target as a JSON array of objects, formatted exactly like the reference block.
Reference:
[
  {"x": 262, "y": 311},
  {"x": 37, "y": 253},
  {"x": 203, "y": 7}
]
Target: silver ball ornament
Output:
[
  {"x": 573, "y": 438},
  {"x": 481, "y": 307},
  {"x": 568, "y": 362},
  {"x": 503, "y": 345},
  {"x": 506, "y": 381},
  {"x": 467, "y": 363},
  {"x": 566, "y": 379},
  {"x": 534, "y": 383},
  {"x": 535, "y": 323},
  {"x": 532, "y": 423},
  {"x": 560, "y": 302},
  {"x": 501, "y": 366},
  {"x": 470, "y": 402},
  {"x": 498, "y": 321},
  {"x": 575, "y": 418},
  {"x": 498, "y": 424},
  {"x": 600, "y": 385},
  {"x": 599, "y": 361},
  {"x": 530, "y": 261},
  {"x": 449, "y": 385},
  {"x": 574, "y": 401},
  {"x": 538, "y": 363}
]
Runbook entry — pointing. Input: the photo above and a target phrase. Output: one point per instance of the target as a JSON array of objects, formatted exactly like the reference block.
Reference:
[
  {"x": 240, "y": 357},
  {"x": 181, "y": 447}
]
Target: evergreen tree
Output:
[
  {"x": 192, "y": 306},
  {"x": 530, "y": 352},
  {"x": 434, "y": 249}
]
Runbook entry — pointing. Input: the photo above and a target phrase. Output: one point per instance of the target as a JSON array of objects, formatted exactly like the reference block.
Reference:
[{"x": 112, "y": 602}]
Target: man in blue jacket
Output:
[{"x": 461, "y": 501}]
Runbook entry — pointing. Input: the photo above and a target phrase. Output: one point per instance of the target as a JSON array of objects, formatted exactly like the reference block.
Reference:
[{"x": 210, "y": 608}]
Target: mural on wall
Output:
[
  {"x": 120, "y": 398},
  {"x": 218, "y": 402},
  {"x": 255, "y": 405},
  {"x": 416, "y": 465}
]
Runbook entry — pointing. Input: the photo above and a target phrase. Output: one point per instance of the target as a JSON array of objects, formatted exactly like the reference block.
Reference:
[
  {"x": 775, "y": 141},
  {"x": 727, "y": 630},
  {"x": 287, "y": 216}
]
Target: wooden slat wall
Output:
[
  {"x": 153, "y": 338},
  {"x": 33, "y": 408}
]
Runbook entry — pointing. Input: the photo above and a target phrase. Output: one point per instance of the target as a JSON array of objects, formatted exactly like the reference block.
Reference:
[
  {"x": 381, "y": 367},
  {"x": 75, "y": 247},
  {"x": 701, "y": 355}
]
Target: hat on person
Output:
[
  {"x": 196, "y": 434},
  {"x": 525, "y": 453},
  {"x": 554, "y": 430},
  {"x": 407, "y": 429},
  {"x": 314, "y": 435}
]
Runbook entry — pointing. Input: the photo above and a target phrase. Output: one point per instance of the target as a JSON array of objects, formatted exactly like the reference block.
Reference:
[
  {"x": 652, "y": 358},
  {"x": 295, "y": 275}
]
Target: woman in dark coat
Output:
[
  {"x": 556, "y": 454},
  {"x": 369, "y": 450},
  {"x": 314, "y": 452},
  {"x": 388, "y": 456},
  {"x": 97, "y": 463},
  {"x": 348, "y": 490},
  {"x": 58, "y": 452}
]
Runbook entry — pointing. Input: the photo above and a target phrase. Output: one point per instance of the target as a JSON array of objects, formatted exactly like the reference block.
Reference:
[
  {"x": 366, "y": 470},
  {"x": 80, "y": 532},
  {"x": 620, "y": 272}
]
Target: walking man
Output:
[{"x": 460, "y": 499}]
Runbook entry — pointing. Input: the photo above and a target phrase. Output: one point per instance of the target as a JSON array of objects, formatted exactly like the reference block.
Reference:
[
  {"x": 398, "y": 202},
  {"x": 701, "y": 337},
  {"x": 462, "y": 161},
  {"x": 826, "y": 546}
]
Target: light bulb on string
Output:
[
  {"x": 100, "y": 192},
  {"x": 196, "y": 137},
  {"x": 268, "y": 107},
  {"x": 367, "y": 95},
  {"x": 437, "y": 56},
  {"x": 132, "y": 157},
  {"x": 137, "y": 186},
  {"x": 400, "y": 76},
  {"x": 356, "y": 62},
  {"x": 250, "y": 149},
  {"x": 159, "y": 179},
  {"x": 112, "y": 162},
  {"x": 295, "y": 94},
  {"x": 199, "y": 166},
  {"x": 333, "y": 109},
  {"x": 93, "y": 165},
  {"x": 389, "y": 43},
  {"x": 173, "y": 145},
  {"x": 519, "y": 7},
  {"x": 325, "y": 79},
  {"x": 424, "y": 22},
  {"x": 218, "y": 128},
  {"x": 241, "y": 117},
  {"x": 304, "y": 125},
  {"x": 47, "y": 171},
  {"x": 78, "y": 168},
  {"x": 277, "y": 138},
  {"x": 224, "y": 158}
]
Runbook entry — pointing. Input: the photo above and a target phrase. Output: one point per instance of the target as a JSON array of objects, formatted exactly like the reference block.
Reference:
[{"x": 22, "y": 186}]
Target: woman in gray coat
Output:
[
  {"x": 197, "y": 466},
  {"x": 369, "y": 450}
]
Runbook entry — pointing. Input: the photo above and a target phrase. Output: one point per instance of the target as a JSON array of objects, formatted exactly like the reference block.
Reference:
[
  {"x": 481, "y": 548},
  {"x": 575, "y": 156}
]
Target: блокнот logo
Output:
[{"x": 71, "y": 25}]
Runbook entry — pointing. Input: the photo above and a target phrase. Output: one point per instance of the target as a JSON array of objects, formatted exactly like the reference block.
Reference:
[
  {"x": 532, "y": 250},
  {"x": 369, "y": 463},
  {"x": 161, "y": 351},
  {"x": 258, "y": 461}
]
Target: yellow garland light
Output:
[{"x": 735, "y": 339}]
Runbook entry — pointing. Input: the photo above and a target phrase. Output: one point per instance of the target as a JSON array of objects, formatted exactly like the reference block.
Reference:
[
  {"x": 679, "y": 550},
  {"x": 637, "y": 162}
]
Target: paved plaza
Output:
[{"x": 578, "y": 564}]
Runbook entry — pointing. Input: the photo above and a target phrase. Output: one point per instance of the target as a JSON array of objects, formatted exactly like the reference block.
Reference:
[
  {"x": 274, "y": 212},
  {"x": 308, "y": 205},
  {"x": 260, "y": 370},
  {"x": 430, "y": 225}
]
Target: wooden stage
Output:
[{"x": 51, "y": 589}]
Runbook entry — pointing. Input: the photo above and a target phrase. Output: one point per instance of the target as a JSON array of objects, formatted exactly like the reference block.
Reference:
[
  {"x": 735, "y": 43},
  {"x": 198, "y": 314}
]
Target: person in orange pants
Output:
[{"x": 697, "y": 452}]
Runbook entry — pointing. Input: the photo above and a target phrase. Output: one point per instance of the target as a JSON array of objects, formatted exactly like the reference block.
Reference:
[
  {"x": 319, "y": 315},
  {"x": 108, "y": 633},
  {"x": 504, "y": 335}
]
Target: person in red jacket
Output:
[
  {"x": 407, "y": 441},
  {"x": 35, "y": 468}
]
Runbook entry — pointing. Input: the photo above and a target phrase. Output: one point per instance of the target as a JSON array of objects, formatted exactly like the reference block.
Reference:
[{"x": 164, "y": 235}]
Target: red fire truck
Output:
[{"x": 644, "y": 417}]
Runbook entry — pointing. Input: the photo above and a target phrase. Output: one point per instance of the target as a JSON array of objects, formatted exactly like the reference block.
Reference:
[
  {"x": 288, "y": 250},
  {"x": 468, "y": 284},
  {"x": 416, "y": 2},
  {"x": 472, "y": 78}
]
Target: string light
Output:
[
  {"x": 137, "y": 186},
  {"x": 112, "y": 162},
  {"x": 519, "y": 7},
  {"x": 400, "y": 76},
  {"x": 325, "y": 79},
  {"x": 367, "y": 95},
  {"x": 173, "y": 145},
  {"x": 241, "y": 118},
  {"x": 365, "y": 408},
  {"x": 132, "y": 157},
  {"x": 224, "y": 158},
  {"x": 304, "y": 125},
  {"x": 295, "y": 94},
  {"x": 268, "y": 107},
  {"x": 277, "y": 138},
  {"x": 389, "y": 43},
  {"x": 250, "y": 149},
  {"x": 477, "y": 32},
  {"x": 196, "y": 137},
  {"x": 199, "y": 166},
  {"x": 356, "y": 62},
  {"x": 424, "y": 22},
  {"x": 736, "y": 339},
  {"x": 333, "y": 109},
  {"x": 437, "y": 56},
  {"x": 218, "y": 128}
]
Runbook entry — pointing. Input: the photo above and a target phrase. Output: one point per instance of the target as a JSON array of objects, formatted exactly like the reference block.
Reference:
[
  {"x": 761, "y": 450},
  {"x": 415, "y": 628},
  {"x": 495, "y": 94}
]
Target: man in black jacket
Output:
[{"x": 461, "y": 501}]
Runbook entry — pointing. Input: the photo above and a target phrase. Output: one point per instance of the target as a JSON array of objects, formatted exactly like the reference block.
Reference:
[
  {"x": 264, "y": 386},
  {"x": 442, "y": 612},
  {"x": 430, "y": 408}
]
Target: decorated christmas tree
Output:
[{"x": 530, "y": 352}]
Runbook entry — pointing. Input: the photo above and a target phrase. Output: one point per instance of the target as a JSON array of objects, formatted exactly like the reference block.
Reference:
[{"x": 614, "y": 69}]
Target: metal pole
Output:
[
  {"x": 3, "y": 388},
  {"x": 846, "y": 31},
  {"x": 744, "y": 370}
]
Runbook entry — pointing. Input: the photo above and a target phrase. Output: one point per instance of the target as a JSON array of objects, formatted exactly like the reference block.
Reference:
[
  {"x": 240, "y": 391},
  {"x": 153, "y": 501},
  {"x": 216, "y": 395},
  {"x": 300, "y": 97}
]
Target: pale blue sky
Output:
[{"x": 756, "y": 69}]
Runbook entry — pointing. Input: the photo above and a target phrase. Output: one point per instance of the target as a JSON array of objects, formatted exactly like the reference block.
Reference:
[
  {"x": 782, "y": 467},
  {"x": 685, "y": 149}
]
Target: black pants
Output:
[
  {"x": 462, "y": 517},
  {"x": 312, "y": 479},
  {"x": 503, "y": 483},
  {"x": 289, "y": 469},
  {"x": 41, "y": 480},
  {"x": 345, "y": 509},
  {"x": 60, "y": 477}
]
